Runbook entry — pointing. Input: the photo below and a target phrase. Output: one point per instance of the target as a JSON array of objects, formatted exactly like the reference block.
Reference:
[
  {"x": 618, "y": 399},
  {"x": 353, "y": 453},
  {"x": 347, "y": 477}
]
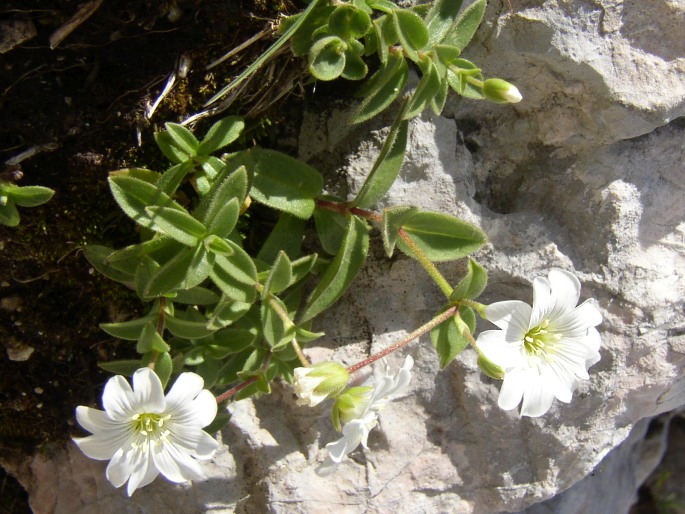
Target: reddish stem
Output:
[{"x": 225, "y": 396}]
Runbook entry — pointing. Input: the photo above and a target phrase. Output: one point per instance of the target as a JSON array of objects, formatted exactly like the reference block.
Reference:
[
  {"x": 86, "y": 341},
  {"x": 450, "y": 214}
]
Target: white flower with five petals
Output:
[
  {"x": 143, "y": 433},
  {"x": 544, "y": 349},
  {"x": 356, "y": 430}
]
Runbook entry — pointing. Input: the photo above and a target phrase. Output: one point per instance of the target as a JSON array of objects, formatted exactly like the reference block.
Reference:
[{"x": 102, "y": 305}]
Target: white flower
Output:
[
  {"x": 545, "y": 349},
  {"x": 142, "y": 433},
  {"x": 318, "y": 382},
  {"x": 356, "y": 431}
]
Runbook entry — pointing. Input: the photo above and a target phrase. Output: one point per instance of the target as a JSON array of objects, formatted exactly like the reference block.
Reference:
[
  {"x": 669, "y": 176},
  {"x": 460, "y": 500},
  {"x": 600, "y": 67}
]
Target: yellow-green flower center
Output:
[
  {"x": 150, "y": 424},
  {"x": 539, "y": 341}
]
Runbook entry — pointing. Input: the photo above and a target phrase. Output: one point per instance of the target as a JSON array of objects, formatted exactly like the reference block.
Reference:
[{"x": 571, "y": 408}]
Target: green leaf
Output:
[
  {"x": 428, "y": 87},
  {"x": 170, "y": 149},
  {"x": 387, "y": 165},
  {"x": 187, "y": 329},
  {"x": 128, "y": 330},
  {"x": 473, "y": 283},
  {"x": 464, "y": 28},
  {"x": 150, "y": 340},
  {"x": 279, "y": 277},
  {"x": 173, "y": 177},
  {"x": 441, "y": 237},
  {"x": 123, "y": 367},
  {"x": 438, "y": 103},
  {"x": 276, "y": 330},
  {"x": 229, "y": 185},
  {"x": 287, "y": 235},
  {"x": 121, "y": 272},
  {"x": 301, "y": 268},
  {"x": 232, "y": 340},
  {"x": 341, "y": 271},
  {"x": 222, "y": 134},
  {"x": 183, "y": 138},
  {"x": 134, "y": 195},
  {"x": 176, "y": 224},
  {"x": 347, "y": 21},
  {"x": 196, "y": 296},
  {"x": 167, "y": 277},
  {"x": 224, "y": 220},
  {"x": 331, "y": 227},
  {"x": 412, "y": 32},
  {"x": 382, "y": 88},
  {"x": 327, "y": 58},
  {"x": 382, "y": 5},
  {"x": 218, "y": 246},
  {"x": 284, "y": 183},
  {"x": 440, "y": 18},
  {"x": 302, "y": 39},
  {"x": 236, "y": 275},
  {"x": 28, "y": 196},
  {"x": 306, "y": 336},
  {"x": 227, "y": 311},
  {"x": 355, "y": 67},
  {"x": 9, "y": 215},
  {"x": 228, "y": 373},
  {"x": 163, "y": 367},
  {"x": 448, "y": 341},
  {"x": 457, "y": 77},
  {"x": 393, "y": 219}
]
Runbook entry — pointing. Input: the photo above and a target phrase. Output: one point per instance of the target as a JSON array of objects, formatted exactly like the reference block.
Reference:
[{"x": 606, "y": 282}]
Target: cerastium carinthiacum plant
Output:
[{"x": 240, "y": 320}]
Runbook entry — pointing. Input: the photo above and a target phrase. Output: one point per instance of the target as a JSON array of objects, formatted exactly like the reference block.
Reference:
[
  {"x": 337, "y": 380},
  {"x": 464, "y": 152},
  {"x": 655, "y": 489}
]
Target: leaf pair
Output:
[{"x": 12, "y": 196}]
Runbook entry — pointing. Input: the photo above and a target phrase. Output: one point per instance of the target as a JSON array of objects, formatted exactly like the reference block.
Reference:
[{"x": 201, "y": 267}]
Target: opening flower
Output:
[
  {"x": 143, "y": 433},
  {"x": 544, "y": 349},
  {"x": 318, "y": 382},
  {"x": 369, "y": 405}
]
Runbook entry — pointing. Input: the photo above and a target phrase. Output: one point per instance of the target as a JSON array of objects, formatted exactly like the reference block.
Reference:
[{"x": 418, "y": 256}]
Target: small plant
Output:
[
  {"x": 12, "y": 196},
  {"x": 240, "y": 320}
]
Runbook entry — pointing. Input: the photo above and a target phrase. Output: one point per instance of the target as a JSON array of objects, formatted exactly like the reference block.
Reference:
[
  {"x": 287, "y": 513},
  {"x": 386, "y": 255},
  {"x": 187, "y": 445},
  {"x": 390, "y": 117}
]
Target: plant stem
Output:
[
  {"x": 225, "y": 396},
  {"x": 423, "y": 329},
  {"x": 160, "y": 330},
  {"x": 300, "y": 354},
  {"x": 427, "y": 264}
]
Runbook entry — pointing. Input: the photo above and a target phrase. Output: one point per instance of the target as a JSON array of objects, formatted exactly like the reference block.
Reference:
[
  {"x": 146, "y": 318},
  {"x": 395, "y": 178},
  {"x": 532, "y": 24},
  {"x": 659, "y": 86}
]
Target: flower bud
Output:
[
  {"x": 318, "y": 382},
  {"x": 489, "y": 368},
  {"x": 501, "y": 92}
]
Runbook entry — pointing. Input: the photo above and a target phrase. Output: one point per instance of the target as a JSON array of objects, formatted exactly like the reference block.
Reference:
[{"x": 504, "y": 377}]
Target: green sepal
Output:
[
  {"x": 387, "y": 165},
  {"x": 341, "y": 271},
  {"x": 393, "y": 219},
  {"x": 490, "y": 368},
  {"x": 221, "y": 134},
  {"x": 441, "y": 237}
]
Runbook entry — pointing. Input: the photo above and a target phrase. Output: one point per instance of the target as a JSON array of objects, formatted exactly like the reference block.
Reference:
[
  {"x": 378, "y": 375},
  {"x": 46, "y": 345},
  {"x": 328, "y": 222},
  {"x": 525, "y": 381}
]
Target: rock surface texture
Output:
[{"x": 585, "y": 174}]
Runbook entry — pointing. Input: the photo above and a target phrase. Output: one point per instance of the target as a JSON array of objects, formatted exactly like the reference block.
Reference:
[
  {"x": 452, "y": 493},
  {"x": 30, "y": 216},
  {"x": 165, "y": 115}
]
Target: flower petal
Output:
[
  {"x": 117, "y": 399},
  {"x": 512, "y": 389},
  {"x": 199, "y": 412},
  {"x": 353, "y": 434},
  {"x": 119, "y": 468},
  {"x": 95, "y": 420},
  {"x": 102, "y": 447},
  {"x": 565, "y": 291},
  {"x": 196, "y": 441},
  {"x": 185, "y": 389},
  {"x": 506, "y": 354},
  {"x": 175, "y": 463},
  {"x": 142, "y": 469},
  {"x": 578, "y": 320},
  {"x": 512, "y": 316},
  {"x": 148, "y": 393},
  {"x": 537, "y": 396}
]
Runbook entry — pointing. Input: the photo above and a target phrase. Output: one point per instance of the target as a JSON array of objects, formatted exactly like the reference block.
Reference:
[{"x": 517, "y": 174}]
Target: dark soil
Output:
[{"x": 82, "y": 104}]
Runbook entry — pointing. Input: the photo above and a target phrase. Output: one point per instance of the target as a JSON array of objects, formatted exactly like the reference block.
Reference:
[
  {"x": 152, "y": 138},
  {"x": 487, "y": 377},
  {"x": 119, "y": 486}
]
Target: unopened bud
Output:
[
  {"x": 490, "y": 368},
  {"x": 501, "y": 92},
  {"x": 319, "y": 382}
]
